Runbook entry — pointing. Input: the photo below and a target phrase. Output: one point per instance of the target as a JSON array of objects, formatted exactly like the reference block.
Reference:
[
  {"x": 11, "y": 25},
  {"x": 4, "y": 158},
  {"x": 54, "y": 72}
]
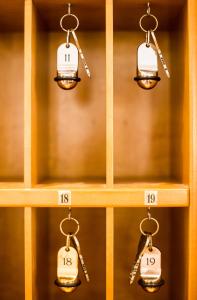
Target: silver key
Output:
[
  {"x": 160, "y": 54},
  {"x": 81, "y": 53},
  {"x": 77, "y": 245},
  {"x": 142, "y": 246}
]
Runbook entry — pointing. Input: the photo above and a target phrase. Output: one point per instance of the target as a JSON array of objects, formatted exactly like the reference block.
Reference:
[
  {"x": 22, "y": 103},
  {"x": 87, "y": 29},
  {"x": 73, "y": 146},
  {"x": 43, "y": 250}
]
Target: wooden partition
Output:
[{"x": 107, "y": 141}]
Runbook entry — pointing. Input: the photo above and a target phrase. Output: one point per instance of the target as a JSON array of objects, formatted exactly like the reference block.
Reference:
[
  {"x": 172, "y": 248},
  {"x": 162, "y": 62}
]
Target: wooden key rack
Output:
[{"x": 108, "y": 142}]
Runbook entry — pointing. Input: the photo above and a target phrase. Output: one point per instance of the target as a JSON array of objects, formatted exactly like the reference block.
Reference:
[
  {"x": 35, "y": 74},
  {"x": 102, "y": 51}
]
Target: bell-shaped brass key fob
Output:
[
  {"x": 67, "y": 66},
  {"x": 151, "y": 287},
  {"x": 67, "y": 270},
  {"x": 147, "y": 66},
  {"x": 150, "y": 270}
]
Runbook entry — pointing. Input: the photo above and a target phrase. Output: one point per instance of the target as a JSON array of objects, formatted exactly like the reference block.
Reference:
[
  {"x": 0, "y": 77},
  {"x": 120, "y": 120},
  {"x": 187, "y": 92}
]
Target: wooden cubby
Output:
[
  {"x": 71, "y": 139},
  {"x": 12, "y": 253},
  {"x": 92, "y": 242},
  {"x": 170, "y": 240},
  {"x": 150, "y": 131},
  {"x": 107, "y": 141},
  {"x": 11, "y": 92}
]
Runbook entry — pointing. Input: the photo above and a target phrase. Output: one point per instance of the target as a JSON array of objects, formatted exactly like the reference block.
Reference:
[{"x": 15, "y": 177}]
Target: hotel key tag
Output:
[
  {"x": 147, "y": 57},
  {"x": 150, "y": 270},
  {"x": 150, "y": 265},
  {"x": 67, "y": 261},
  {"x": 68, "y": 57},
  {"x": 67, "y": 66}
]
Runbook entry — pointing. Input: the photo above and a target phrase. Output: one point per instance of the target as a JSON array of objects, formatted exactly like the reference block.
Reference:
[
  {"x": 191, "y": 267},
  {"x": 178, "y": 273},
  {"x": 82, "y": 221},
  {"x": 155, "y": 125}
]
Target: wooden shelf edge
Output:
[{"x": 167, "y": 197}]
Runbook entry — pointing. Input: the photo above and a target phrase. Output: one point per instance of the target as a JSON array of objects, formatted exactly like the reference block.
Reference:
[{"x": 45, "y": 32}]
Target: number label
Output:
[
  {"x": 150, "y": 265},
  {"x": 64, "y": 197},
  {"x": 68, "y": 261},
  {"x": 67, "y": 57},
  {"x": 150, "y": 198},
  {"x": 150, "y": 261}
]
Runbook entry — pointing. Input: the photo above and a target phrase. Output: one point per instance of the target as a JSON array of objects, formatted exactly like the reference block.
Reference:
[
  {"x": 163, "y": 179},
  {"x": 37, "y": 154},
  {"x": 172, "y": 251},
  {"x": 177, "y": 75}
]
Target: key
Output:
[
  {"x": 77, "y": 245},
  {"x": 81, "y": 53},
  {"x": 160, "y": 54},
  {"x": 142, "y": 246}
]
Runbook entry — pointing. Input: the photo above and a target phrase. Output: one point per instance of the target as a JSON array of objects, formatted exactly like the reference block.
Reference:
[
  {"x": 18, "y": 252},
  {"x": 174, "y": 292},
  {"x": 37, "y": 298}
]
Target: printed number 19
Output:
[
  {"x": 150, "y": 261},
  {"x": 151, "y": 198}
]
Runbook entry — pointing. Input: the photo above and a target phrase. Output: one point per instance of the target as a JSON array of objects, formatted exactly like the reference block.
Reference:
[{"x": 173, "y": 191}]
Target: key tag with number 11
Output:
[
  {"x": 68, "y": 56},
  {"x": 148, "y": 258},
  {"x": 147, "y": 56},
  {"x": 67, "y": 259}
]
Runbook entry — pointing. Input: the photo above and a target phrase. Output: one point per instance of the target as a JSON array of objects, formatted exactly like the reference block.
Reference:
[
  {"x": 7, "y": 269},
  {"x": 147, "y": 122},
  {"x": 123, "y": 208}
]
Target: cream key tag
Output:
[
  {"x": 147, "y": 59},
  {"x": 67, "y": 66},
  {"x": 67, "y": 269},
  {"x": 67, "y": 59},
  {"x": 150, "y": 268},
  {"x": 147, "y": 66},
  {"x": 67, "y": 264}
]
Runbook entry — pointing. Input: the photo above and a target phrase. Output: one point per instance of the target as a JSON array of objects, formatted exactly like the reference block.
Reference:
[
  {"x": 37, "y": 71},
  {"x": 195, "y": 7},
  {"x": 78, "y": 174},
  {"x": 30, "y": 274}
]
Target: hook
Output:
[
  {"x": 69, "y": 213},
  {"x": 69, "y": 8},
  {"x": 148, "y": 212},
  {"x": 148, "y": 8}
]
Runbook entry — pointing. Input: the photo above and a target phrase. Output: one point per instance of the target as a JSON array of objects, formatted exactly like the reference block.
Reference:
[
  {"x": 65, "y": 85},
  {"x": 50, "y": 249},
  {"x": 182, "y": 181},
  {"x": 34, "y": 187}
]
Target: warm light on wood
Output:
[{"x": 106, "y": 141}]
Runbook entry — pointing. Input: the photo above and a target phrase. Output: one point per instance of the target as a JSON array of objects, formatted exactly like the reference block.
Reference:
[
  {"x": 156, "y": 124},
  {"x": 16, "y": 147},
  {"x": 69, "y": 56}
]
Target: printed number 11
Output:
[{"x": 67, "y": 57}]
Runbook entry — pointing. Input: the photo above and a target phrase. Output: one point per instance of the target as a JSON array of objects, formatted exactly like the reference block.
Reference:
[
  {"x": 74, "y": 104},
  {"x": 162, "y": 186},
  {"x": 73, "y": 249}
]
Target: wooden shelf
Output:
[{"x": 169, "y": 195}]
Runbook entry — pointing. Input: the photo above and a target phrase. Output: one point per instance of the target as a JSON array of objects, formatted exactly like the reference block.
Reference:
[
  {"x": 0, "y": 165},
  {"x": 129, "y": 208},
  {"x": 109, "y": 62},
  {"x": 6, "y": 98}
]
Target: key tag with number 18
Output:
[
  {"x": 67, "y": 260},
  {"x": 149, "y": 259},
  {"x": 147, "y": 56},
  {"x": 68, "y": 56}
]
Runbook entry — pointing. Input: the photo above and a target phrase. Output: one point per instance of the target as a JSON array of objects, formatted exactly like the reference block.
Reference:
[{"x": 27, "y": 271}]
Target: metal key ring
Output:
[
  {"x": 149, "y": 219},
  {"x": 68, "y": 234},
  {"x": 148, "y": 15},
  {"x": 70, "y": 29}
]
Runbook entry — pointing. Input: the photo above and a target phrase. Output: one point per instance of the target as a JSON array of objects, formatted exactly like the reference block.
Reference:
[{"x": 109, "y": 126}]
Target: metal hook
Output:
[
  {"x": 148, "y": 8},
  {"x": 148, "y": 212},
  {"x": 69, "y": 213},
  {"x": 69, "y": 8}
]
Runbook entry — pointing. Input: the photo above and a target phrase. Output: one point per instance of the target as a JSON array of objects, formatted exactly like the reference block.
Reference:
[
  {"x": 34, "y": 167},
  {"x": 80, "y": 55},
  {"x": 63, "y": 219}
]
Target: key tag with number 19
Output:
[
  {"x": 67, "y": 56},
  {"x": 67, "y": 259},
  {"x": 147, "y": 56},
  {"x": 149, "y": 260}
]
